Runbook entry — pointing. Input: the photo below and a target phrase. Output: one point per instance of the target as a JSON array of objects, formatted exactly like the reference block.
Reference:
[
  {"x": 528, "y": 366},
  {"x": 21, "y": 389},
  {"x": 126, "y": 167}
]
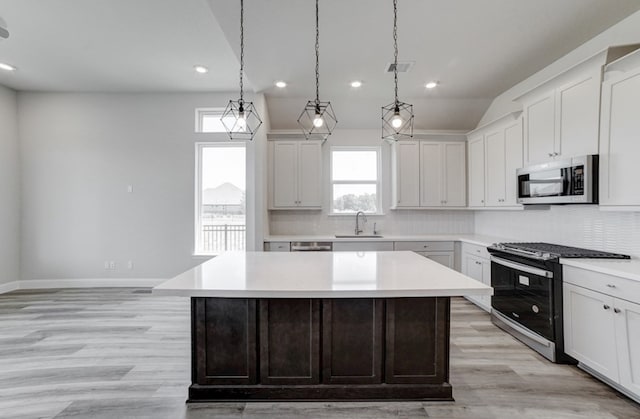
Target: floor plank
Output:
[{"x": 123, "y": 353}]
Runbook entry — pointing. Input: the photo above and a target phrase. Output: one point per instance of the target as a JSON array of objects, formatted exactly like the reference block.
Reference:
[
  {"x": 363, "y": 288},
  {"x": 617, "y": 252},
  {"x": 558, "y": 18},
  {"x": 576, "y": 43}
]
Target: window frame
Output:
[
  {"x": 377, "y": 182},
  {"x": 197, "y": 224},
  {"x": 201, "y": 113}
]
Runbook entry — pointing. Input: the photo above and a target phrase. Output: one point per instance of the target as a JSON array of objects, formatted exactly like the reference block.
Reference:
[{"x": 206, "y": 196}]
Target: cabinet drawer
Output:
[
  {"x": 362, "y": 246},
  {"x": 424, "y": 246},
  {"x": 277, "y": 247},
  {"x": 625, "y": 289},
  {"x": 476, "y": 250}
]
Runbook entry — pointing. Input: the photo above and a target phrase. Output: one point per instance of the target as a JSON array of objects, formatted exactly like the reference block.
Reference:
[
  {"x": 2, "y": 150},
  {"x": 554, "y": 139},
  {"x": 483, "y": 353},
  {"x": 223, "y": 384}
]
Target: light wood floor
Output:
[{"x": 123, "y": 353}]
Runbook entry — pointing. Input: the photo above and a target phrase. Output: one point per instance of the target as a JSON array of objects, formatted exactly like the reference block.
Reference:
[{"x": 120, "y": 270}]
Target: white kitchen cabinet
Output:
[
  {"x": 296, "y": 181},
  {"x": 495, "y": 153},
  {"x": 406, "y": 173},
  {"x": 619, "y": 135},
  {"x": 476, "y": 264},
  {"x": 602, "y": 326},
  {"x": 277, "y": 246},
  {"x": 476, "y": 171},
  {"x": 539, "y": 128},
  {"x": 428, "y": 174},
  {"x": 441, "y": 252},
  {"x": 589, "y": 333},
  {"x": 442, "y": 174},
  {"x": 627, "y": 318},
  {"x": 362, "y": 246}
]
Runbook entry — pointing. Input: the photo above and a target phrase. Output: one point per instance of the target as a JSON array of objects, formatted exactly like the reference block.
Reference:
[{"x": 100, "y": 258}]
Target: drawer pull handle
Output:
[
  {"x": 606, "y": 307},
  {"x": 616, "y": 310},
  {"x": 611, "y": 286}
]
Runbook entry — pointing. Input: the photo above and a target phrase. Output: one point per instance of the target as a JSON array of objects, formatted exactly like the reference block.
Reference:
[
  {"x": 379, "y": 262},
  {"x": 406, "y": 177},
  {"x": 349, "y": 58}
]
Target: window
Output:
[
  {"x": 355, "y": 180},
  {"x": 208, "y": 120},
  {"x": 220, "y": 197}
]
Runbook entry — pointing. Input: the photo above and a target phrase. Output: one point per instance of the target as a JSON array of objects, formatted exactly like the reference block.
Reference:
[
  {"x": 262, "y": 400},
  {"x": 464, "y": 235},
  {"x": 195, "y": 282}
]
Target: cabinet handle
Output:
[
  {"x": 482, "y": 201},
  {"x": 556, "y": 153},
  {"x": 611, "y": 286},
  {"x": 550, "y": 154},
  {"x": 606, "y": 307},
  {"x": 425, "y": 246},
  {"x": 478, "y": 263},
  {"x": 616, "y": 310}
]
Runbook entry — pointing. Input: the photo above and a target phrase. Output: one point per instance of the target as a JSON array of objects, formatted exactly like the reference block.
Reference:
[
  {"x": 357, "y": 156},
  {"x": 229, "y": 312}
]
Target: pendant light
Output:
[
  {"x": 317, "y": 119},
  {"x": 397, "y": 117},
  {"x": 240, "y": 118}
]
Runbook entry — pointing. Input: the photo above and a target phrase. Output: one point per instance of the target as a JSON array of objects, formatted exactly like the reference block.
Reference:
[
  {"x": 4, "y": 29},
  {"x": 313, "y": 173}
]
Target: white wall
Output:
[
  {"x": 625, "y": 32},
  {"x": 393, "y": 222},
  {"x": 9, "y": 188},
  {"x": 572, "y": 225},
  {"x": 79, "y": 154}
]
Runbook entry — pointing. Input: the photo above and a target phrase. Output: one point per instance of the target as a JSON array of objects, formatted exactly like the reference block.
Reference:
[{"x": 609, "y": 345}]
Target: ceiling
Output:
[{"x": 476, "y": 49}]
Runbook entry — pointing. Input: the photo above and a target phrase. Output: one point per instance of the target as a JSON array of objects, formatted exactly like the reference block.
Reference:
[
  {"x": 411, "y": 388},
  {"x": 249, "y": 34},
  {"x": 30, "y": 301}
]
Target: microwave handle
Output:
[{"x": 524, "y": 268}]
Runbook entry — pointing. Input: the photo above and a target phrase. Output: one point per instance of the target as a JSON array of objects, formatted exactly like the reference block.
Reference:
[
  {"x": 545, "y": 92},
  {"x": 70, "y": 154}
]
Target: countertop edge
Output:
[
  {"x": 590, "y": 265},
  {"x": 469, "y": 238}
]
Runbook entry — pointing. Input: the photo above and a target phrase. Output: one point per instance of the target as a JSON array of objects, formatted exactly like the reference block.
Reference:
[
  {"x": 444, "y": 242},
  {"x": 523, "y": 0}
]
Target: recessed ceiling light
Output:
[
  {"x": 281, "y": 84},
  {"x": 356, "y": 83},
  {"x": 201, "y": 69},
  {"x": 431, "y": 84},
  {"x": 7, "y": 67}
]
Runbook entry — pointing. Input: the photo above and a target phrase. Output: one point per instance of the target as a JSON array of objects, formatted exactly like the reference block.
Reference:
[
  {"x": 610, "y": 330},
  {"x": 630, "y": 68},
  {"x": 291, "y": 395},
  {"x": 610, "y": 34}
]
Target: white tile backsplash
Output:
[
  {"x": 403, "y": 222},
  {"x": 572, "y": 225}
]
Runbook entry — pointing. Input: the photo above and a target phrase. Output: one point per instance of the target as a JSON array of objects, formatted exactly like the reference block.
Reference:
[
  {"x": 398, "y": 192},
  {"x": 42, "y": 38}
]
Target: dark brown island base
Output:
[{"x": 320, "y": 349}]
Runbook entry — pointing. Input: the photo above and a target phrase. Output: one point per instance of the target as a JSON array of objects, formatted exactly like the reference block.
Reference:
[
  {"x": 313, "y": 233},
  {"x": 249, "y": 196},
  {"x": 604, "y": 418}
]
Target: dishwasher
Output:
[{"x": 311, "y": 246}]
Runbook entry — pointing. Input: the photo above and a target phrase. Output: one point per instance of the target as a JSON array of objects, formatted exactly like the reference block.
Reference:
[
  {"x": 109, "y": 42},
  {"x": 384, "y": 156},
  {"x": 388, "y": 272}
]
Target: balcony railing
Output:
[{"x": 223, "y": 237}]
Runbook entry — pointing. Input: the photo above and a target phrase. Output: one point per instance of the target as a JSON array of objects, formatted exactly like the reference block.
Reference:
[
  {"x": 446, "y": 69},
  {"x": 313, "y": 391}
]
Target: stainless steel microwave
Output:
[{"x": 569, "y": 181}]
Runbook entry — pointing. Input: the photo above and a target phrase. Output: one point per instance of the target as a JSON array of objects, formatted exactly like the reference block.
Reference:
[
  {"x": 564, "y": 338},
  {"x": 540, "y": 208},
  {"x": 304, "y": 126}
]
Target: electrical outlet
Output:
[
  {"x": 130, "y": 264},
  {"x": 112, "y": 264},
  {"x": 106, "y": 264}
]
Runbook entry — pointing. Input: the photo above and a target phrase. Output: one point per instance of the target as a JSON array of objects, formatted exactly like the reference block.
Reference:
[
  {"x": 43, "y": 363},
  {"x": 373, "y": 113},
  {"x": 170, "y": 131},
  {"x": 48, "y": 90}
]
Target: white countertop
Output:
[
  {"x": 629, "y": 269},
  {"x": 469, "y": 238},
  {"x": 321, "y": 275}
]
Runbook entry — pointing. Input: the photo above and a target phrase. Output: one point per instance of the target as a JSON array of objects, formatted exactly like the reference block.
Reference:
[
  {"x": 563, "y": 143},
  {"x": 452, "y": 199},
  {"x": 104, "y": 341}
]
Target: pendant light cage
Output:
[
  {"x": 397, "y": 117},
  {"x": 240, "y": 118},
  {"x": 317, "y": 118}
]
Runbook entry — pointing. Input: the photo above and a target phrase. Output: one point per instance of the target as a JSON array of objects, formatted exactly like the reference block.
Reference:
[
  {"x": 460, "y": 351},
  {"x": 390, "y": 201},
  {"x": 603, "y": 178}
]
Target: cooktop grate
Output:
[{"x": 564, "y": 251}]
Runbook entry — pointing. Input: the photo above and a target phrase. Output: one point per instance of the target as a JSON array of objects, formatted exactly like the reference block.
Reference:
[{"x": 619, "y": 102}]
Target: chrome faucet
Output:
[{"x": 358, "y": 231}]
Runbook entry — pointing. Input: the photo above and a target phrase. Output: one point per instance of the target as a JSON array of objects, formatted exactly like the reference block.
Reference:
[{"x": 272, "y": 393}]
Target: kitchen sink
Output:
[{"x": 360, "y": 236}]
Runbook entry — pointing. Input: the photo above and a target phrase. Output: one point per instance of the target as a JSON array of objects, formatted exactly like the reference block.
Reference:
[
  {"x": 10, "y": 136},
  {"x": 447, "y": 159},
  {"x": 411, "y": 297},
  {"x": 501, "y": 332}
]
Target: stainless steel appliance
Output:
[
  {"x": 570, "y": 181},
  {"x": 311, "y": 246},
  {"x": 527, "y": 300}
]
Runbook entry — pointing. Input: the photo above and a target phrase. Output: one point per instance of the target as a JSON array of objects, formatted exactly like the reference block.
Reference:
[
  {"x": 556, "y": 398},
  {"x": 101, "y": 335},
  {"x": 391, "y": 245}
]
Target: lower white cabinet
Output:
[
  {"x": 441, "y": 252},
  {"x": 476, "y": 264},
  {"x": 602, "y": 331},
  {"x": 362, "y": 246}
]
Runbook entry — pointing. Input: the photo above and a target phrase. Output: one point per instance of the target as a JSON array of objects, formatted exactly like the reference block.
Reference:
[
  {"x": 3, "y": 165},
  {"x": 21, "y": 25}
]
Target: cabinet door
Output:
[
  {"x": 619, "y": 145},
  {"x": 476, "y": 172},
  {"x": 443, "y": 258},
  {"x": 589, "y": 333},
  {"x": 455, "y": 179},
  {"x": 474, "y": 267},
  {"x": 486, "y": 279},
  {"x": 310, "y": 174},
  {"x": 578, "y": 117},
  {"x": 539, "y": 129},
  {"x": 407, "y": 172},
  {"x": 628, "y": 343},
  {"x": 285, "y": 180},
  {"x": 495, "y": 170},
  {"x": 431, "y": 171},
  {"x": 513, "y": 161}
]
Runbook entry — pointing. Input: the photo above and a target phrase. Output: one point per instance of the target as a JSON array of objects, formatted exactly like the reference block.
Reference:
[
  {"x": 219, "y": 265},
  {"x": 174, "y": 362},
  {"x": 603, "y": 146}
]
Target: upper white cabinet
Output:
[
  {"x": 296, "y": 174},
  {"x": 620, "y": 134},
  {"x": 495, "y": 152},
  {"x": 561, "y": 115},
  {"x": 428, "y": 174}
]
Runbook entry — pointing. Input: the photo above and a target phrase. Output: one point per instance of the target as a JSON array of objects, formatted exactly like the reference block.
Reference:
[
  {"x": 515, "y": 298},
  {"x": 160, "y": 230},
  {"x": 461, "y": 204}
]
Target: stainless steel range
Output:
[{"x": 527, "y": 299}]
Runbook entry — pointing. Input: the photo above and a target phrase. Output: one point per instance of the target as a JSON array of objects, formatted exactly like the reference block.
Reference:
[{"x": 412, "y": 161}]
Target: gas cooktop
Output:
[{"x": 548, "y": 251}]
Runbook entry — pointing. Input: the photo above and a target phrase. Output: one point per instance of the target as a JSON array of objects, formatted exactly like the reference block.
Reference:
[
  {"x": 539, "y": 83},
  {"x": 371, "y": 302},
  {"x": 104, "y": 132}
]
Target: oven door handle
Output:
[{"x": 521, "y": 267}]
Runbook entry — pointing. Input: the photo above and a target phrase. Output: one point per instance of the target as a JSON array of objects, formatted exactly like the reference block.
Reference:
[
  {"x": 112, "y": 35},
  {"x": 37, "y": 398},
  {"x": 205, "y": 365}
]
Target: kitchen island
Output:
[{"x": 320, "y": 325}]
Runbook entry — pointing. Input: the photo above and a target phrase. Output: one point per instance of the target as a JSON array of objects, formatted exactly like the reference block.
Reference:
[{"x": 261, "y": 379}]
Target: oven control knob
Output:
[{"x": 535, "y": 309}]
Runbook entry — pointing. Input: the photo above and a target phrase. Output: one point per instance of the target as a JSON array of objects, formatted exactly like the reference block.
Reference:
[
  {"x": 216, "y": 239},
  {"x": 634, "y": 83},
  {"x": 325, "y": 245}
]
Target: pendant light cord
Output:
[
  {"x": 395, "y": 47},
  {"x": 317, "y": 56},
  {"x": 241, "y": 101}
]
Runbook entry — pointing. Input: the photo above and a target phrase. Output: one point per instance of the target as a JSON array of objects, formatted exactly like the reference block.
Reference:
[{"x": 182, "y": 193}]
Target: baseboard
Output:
[
  {"x": 32, "y": 284},
  {"x": 9, "y": 286},
  {"x": 616, "y": 386}
]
